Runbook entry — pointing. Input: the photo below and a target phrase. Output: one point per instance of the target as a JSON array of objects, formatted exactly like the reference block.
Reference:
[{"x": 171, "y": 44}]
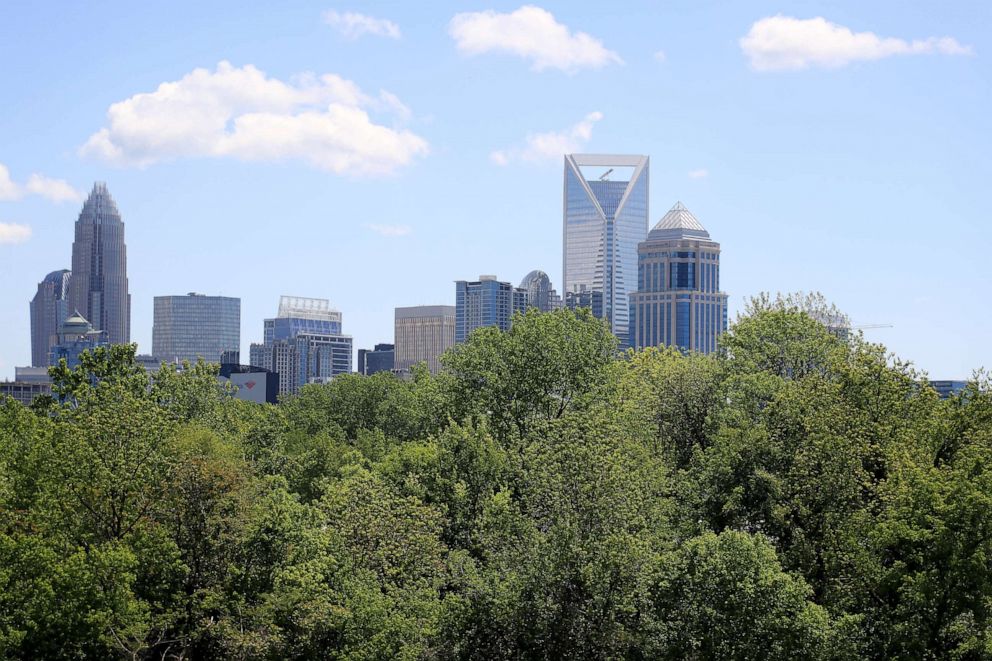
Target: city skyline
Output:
[{"x": 815, "y": 174}]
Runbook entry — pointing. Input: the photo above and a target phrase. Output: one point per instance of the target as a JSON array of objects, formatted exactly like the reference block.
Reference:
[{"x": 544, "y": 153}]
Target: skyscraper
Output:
[
  {"x": 540, "y": 293},
  {"x": 485, "y": 302},
  {"x": 49, "y": 308},
  {"x": 678, "y": 301},
  {"x": 605, "y": 217},
  {"x": 422, "y": 334},
  {"x": 98, "y": 287},
  {"x": 303, "y": 344},
  {"x": 195, "y": 326}
]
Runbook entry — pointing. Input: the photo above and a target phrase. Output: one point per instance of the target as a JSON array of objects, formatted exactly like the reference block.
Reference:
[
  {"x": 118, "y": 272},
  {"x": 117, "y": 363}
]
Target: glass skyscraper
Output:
[
  {"x": 422, "y": 333},
  {"x": 49, "y": 308},
  {"x": 303, "y": 344},
  {"x": 195, "y": 326},
  {"x": 540, "y": 293},
  {"x": 678, "y": 300},
  {"x": 98, "y": 287},
  {"x": 605, "y": 217},
  {"x": 380, "y": 359},
  {"x": 485, "y": 302}
]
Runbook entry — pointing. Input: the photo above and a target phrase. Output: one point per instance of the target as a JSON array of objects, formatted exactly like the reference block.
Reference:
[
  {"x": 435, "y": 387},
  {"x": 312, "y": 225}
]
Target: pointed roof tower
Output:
[
  {"x": 678, "y": 223},
  {"x": 100, "y": 207}
]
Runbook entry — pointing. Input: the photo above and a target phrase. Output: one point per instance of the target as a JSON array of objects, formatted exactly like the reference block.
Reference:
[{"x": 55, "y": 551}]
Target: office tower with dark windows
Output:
[
  {"x": 75, "y": 336},
  {"x": 380, "y": 359},
  {"x": 946, "y": 389},
  {"x": 49, "y": 308},
  {"x": 98, "y": 287},
  {"x": 540, "y": 293},
  {"x": 485, "y": 302},
  {"x": 678, "y": 300},
  {"x": 195, "y": 326},
  {"x": 422, "y": 333},
  {"x": 303, "y": 344},
  {"x": 605, "y": 217}
]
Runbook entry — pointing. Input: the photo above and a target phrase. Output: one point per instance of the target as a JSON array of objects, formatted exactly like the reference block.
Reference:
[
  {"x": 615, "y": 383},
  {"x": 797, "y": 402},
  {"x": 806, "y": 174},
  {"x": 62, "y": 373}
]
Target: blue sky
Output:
[{"x": 373, "y": 153}]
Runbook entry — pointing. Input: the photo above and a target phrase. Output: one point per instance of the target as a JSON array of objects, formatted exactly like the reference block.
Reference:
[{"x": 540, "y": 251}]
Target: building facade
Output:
[
  {"x": 422, "y": 334},
  {"x": 678, "y": 301},
  {"x": 380, "y": 359},
  {"x": 540, "y": 293},
  {"x": 76, "y": 335},
  {"x": 49, "y": 308},
  {"x": 605, "y": 217},
  {"x": 485, "y": 302},
  {"x": 195, "y": 326},
  {"x": 98, "y": 288},
  {"x": 303, "y": 344}
]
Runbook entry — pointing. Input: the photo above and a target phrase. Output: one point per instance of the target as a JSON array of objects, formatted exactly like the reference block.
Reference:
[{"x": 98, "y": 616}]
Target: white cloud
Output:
[
  {"x": 531, "y": 33},
  {"x": 354, "y": 25},
  {"x": 551, "y": 145},
  {"x": 660, "y": 56},
  {"x": 240, "y": 112},
  {"x": 391, "y": 230},
  {"x": 701, "y": 173},
  {"x": 778, "y": 43},
  {"x": 11, "y": 233},
  {"x": 56, "y": 190}
]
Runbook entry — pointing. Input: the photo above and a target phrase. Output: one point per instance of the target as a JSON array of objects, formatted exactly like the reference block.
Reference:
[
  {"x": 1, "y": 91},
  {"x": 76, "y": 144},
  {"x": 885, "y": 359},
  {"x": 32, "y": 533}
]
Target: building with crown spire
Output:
[
  {"x": 75, "y": 336},
  {"x": 98, "y": 289},
  {"x": 678, "y": 300},
  {"x": 49, "y": 308},
  {"x": 605, "y": 217}
]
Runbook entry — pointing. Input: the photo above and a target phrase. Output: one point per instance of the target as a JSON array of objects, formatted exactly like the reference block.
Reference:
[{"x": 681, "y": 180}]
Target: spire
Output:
[
  {"x": 100, "y": 207},
  {"x": 679, "y": 223}
]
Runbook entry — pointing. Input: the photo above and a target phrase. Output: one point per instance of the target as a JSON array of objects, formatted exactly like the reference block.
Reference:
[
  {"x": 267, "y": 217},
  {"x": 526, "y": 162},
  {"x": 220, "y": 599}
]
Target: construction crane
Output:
[{"x": 606, "y": 175}]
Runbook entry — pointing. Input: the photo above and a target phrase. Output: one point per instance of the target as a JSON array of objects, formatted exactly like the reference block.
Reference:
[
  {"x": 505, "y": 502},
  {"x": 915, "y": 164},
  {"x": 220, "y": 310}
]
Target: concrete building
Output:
[
  {"x": 422, "y": 334},
  {"x": 605, "y": 217},
  {"x": 678, "y": 300},
  {"x": 49, "y": 308},
  {"x": 195, "y": 326}
]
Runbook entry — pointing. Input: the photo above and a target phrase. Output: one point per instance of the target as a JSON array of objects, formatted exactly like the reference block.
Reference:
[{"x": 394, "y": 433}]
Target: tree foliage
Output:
[{"x": 799, "y": 494}]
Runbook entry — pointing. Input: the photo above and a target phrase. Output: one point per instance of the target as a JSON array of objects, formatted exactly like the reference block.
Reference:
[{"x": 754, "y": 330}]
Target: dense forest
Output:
[{"x": 797, "y": 495}]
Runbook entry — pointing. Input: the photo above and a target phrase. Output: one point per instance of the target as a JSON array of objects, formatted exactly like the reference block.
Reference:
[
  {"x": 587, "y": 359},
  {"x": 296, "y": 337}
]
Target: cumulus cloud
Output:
[
  {"x": 660, "y": 56},
  {"x": 239, "y": 112},
  {"x": 781, "y": 43},
  {"x": 551, "y": 145},
  {"x": 11, "y": 233},
  {"x": 701, "y": 173},
  {"x": 391, "y": 230},
  {"x": 533, "y": 34},
  {"x": 354, "y": 25},
  {"x": 56, "y": 190}
]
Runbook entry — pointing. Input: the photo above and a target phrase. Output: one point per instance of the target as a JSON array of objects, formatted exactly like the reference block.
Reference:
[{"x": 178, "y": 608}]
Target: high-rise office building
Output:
[
  {"x": 195, "y": 326},
  {"x": 485, "y": 302},
  {"x": 75, "y": 336},
  {"x": 49, "y": 308},
  {"x": 605, "y": 217},
  {"x": 678, "y": 301},
  {"x": 98, "y": 287},
  {"x": 380, "y": 359},
  {"x": 422, "y": 334},
  {"x": 540, "y": 293},
  {"x": 303, "y": 344}
]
